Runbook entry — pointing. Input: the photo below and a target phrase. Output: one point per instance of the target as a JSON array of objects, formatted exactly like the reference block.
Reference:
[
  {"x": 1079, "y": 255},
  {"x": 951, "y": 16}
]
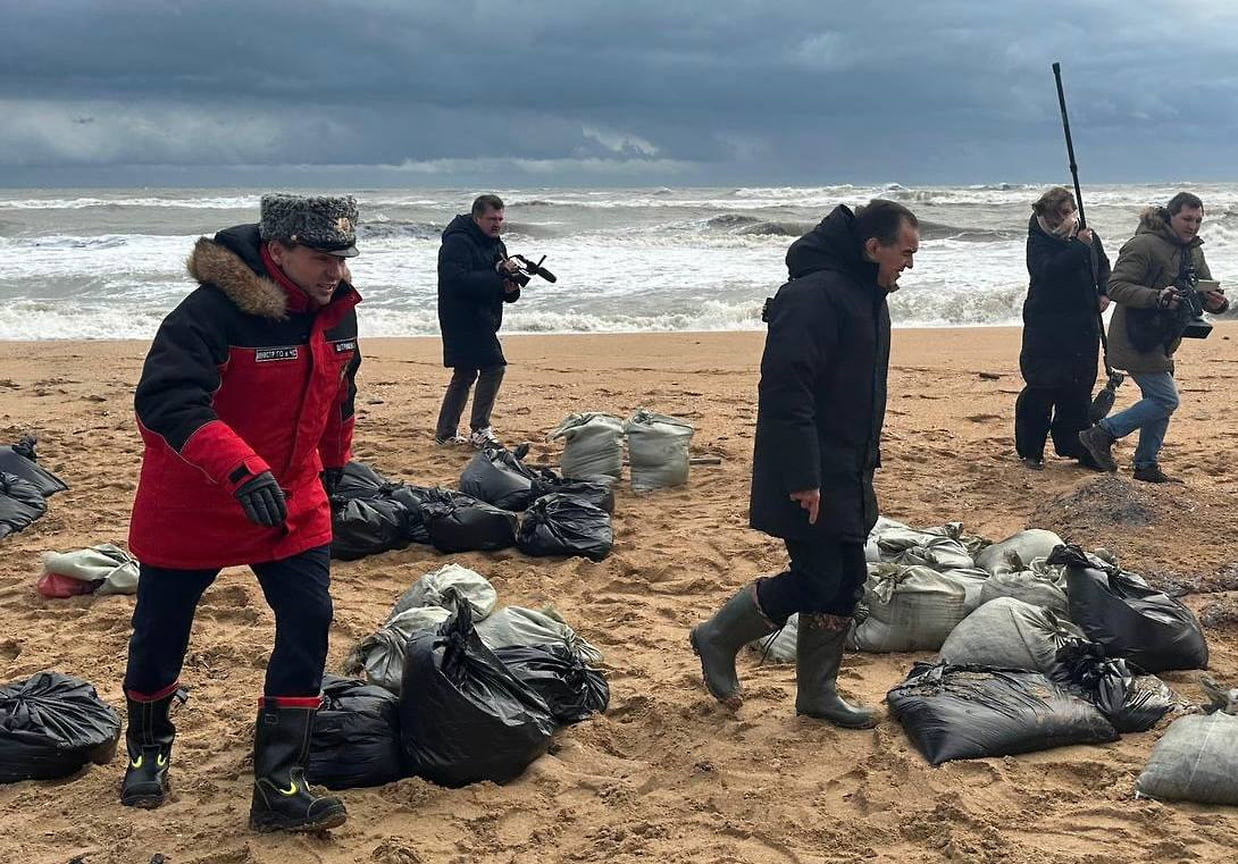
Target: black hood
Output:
[
  {"x": 243, "y": 242},
  {"x": 464, "y": 224},
  {"x": 832, "y": 245}
]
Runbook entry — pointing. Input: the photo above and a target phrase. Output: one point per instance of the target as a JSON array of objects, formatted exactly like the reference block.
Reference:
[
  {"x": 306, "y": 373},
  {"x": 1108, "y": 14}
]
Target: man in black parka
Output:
[
  {"x": 1069, "y": 274},
  {"x": 472, "y": 287},
  {"x": 820, "y": 409}
]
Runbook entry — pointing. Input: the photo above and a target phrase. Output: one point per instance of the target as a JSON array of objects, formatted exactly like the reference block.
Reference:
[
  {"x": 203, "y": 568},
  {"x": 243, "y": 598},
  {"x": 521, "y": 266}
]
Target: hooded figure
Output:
[
  {"x": 1164, "y": 256},
  {"x": 821, "y": 404},
  {"x": 474, "y": 281}
]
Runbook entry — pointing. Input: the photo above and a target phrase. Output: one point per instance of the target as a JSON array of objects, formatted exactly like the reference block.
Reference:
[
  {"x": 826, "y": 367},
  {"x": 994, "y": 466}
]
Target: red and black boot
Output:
[
  {"x": 283, "y": 800},
  {"x": 148, "y": 740}
]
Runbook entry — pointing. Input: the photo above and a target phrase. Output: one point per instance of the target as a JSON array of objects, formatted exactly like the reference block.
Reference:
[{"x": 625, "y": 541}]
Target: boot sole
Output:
[
  {"x": 733, "y": 701},
  {"x": 331, "y": 820},
  {"x": 143, "y": 802},
  {"x": 867, "y": 724}
]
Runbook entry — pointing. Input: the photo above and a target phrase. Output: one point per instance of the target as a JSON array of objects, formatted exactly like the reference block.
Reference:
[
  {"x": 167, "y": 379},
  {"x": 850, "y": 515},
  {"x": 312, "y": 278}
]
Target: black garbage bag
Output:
[
  {"x": 356, "y": 740},
  {"x": 599, "y": 493},
  {"x": 464, "y": 717},
  {"x": 564, "y": 525},
  {"x": 1133, "y": 703},
  {"x": 460, "y": 523},
  {"x": 499, "y": 478},
  {"x": 21, "y": 503},
  {"x": 412, "y": 497},
  {"x": 1128, "y": 618},
  {"x": 359, "y": 480},
  {"x": 361, "y": 527},
  {"x": 20, "y": 459},
  {"x": 571, "y": 689},
  {"x": 972, "y": 712},
  {"x": 51, "y": 725}
]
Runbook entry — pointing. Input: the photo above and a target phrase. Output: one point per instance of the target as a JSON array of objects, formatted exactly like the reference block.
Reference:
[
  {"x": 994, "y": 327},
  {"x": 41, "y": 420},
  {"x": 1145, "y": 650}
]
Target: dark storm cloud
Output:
[{"x": 585, "y": 90}]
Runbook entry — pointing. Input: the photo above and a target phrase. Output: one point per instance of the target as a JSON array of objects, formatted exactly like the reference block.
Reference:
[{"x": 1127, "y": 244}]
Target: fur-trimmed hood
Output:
[
  {"x": 232, "y": 262},
  {"x": 1152, "y": 221}
]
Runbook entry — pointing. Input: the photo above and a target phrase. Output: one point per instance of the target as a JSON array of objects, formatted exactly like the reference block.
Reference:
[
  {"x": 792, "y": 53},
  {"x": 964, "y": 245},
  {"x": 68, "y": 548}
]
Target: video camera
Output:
[
  {"x": 1190, "y": 310},
  {"x": 526, "y": 270}
]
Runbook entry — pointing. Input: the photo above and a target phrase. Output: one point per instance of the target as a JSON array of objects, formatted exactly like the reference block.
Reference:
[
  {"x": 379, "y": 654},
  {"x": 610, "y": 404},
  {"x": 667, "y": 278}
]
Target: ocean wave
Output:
[
  {"x": 930, "y": 230},
  {"x": 385, "y": 229},
  {"x": 242, "y": 202}
]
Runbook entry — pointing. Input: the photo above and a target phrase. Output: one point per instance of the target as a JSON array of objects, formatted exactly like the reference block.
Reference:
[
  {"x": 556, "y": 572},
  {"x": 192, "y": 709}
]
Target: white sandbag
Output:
[
  {"x": 105, "y": 563},
  {"x": 593, "y": 445},
  {"x": 1039, "y": 585},
  {"x": 1009, "y": 634},
  {"x": 380, "y": 657},
  {"x": 872, "y": 552},
  {"x": 658, "y": 450},
  {"x": 779, "y": 646},
  {"x": 1195, "y": 760},
  {"x": 973, "y": 579},
  {"x": 430, "y": 588},
  {"x": 516, "y": 625},
  {"x": 908, "y": 609},
  {"x": 1017, "y": 551},
  {"x": 940, "y": 553},
  {"x": 894, "y": 538}
]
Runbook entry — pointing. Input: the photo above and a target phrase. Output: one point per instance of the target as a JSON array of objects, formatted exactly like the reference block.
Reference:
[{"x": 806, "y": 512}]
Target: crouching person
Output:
[
  {"x": 820, "y": 409},
  {"x": 245, "y": 407}
]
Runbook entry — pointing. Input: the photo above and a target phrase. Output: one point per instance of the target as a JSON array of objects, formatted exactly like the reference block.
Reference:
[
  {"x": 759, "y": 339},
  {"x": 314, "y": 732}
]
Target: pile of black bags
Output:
[
  {"x": 51, "y": 725},
  {"x": 371, "y": 514},
  {"x": 24, "y": 486}
]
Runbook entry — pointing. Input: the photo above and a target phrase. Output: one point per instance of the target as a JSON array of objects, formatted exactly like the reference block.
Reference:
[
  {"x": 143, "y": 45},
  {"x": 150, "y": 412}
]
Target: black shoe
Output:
[
  {"x": 148, "y": 740},
  {"x": 283, "y": 800},
  {"x": 819, "y": 644},
  {"x": 1031, "y": 463},
  {"x": 1154, "y": 474},
  {"x": 1099, "y": 445},
  {"x": 718, "y": 640}
]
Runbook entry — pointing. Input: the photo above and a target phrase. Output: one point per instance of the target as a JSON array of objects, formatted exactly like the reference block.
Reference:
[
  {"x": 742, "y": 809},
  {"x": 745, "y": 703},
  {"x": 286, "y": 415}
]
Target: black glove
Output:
[
  {"x": 262, "y": 500},
  {"x": 331, "y": 480}
]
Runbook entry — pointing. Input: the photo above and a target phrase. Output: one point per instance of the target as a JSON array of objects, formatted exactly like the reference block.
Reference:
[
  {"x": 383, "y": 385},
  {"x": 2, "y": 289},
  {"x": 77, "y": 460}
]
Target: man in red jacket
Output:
[{"x": 245, "y": 407}]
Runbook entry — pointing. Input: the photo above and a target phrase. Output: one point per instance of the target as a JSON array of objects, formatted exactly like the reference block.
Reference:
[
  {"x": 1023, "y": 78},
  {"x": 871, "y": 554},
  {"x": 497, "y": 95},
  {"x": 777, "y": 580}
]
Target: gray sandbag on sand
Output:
[
  {"x": 593, "y": 445},
  {"x": 658, "y": 449},
  {"x": 1017, "y": 551},
  {"x": 908, "y": 609},
  {"x": 380, "y": 656},
  {"x": 940, "y": 553},
  {"x": 1197, "y": 757},
  {"x": 114, "y": 569},
  {"x": 1040, "y": 585},
  {"x": 516, "y": 625},
  {"x": 894, "y": 539},
  {"x": 431, "y": 590},
  {"x": 1009, "y": 634}
]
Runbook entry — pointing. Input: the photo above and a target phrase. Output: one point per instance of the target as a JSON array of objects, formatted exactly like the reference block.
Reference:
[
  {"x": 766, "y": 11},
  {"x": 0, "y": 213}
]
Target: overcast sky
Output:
[{"x": 613, "y": 92}]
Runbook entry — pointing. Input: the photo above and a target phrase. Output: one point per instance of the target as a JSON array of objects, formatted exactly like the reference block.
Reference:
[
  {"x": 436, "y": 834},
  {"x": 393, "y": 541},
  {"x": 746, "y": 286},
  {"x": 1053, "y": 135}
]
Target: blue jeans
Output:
[{"x": 1150, "y": 415}]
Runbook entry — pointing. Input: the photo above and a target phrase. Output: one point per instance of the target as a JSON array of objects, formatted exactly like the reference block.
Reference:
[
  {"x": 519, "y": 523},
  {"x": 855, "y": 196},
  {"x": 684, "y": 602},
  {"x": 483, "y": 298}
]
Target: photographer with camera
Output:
[
  {"x": 1157, "y": 287},
  {"x": 475, "y": 279},
  {"x": 1068, "y": 272}
]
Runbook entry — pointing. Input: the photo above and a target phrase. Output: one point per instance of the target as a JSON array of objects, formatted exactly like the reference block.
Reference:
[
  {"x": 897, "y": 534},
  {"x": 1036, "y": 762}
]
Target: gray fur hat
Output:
[{"x": 327, "y": 223}]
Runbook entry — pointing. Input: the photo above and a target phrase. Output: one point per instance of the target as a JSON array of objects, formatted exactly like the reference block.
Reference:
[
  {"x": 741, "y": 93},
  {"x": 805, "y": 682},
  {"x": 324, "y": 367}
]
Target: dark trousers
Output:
[
  {"x": 488, "y": 381},
  {"x": 1062, "y": 410},
  {"x": 824, "y": 576},
  {"x": 296, "y": 588}
]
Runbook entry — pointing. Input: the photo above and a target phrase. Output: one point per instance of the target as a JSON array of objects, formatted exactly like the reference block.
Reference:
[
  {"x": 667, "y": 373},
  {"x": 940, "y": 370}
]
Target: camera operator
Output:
[
  {"x": 1155, "y": 269},
  {"x": 1061, "y": 330},
  {"x": 475, "y": 279}
]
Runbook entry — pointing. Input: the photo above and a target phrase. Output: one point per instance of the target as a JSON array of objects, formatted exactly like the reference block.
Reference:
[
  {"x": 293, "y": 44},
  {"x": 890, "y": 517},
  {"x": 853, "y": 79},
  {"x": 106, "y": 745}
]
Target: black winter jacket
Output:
[
  {"x": 1061, "y": 330},
  {"x": 822, "y": 394},
  {"x": 470, "y": 295}
]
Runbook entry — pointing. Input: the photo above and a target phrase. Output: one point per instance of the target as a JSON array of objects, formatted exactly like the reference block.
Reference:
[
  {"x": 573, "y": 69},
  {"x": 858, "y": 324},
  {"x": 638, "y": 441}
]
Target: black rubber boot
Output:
[
  {"x": 283, "y": 800},
  {"x": 148, "y": 739},
  {"x": 718, "y": 640},
  {"x": 819, "y": 646}
]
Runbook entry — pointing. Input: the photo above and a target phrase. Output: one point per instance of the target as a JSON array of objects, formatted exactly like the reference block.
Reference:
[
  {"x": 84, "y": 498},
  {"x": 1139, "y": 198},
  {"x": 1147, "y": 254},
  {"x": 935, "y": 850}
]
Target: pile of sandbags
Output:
[
  {"x": 25, "y": 486},
  {"x": 658, "y": 448}
]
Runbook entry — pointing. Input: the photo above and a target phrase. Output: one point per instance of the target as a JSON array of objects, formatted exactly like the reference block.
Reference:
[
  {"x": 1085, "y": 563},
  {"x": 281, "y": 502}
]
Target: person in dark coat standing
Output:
[
  {"x": 472, "y": 287},
  {"x": 821, "y": 405},
  {"x": 1061, "y": 330},
  {"x": 245, "y": 407}
]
